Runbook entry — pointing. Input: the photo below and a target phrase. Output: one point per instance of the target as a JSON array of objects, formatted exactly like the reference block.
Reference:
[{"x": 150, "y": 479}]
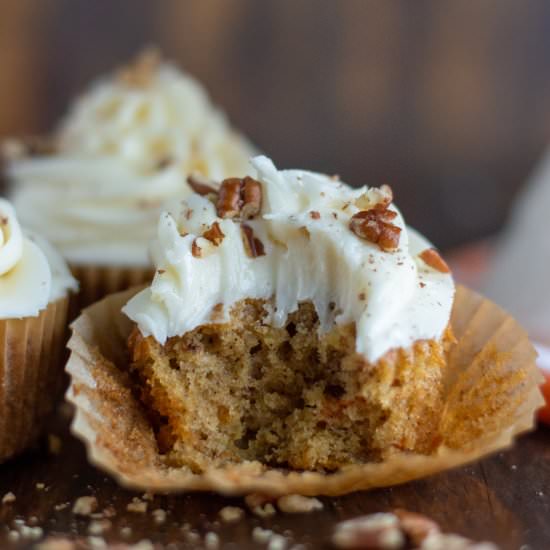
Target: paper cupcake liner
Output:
[
  {"x": 31, "y": 374},
  {"x": 492, "y": 393},
  {"x": 98, "y": 281}
]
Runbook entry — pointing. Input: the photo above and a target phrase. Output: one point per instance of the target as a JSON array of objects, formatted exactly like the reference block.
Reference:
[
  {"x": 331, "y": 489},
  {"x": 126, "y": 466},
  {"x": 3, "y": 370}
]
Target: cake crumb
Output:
[
  {"x": 261, "y": 535},
  {"x": 61, "y": 506},
  {"x": 159, "y": 516},
  {"x": 40, "y": 486},
  {"x": 33, "y": 533},
  {"x": 84, "y": 506},
  {"x": 191, "y": 536},
  {"x": 13, "y": 536},
  {"x": 8, "y": 498},
  {"x": 211, "y": 541},
  {"x": 277, "y": 542},
  {"x": 298, "y": 504},
  {"x": 137, "y": 506},
  {"x": 125, "y": 532},
  {"x": 265, "y": 511},
  {"x": 260, "y": 505},
  {"x": 230, "y": 514},
  {"x": 98, "y": 527},
  {"x": 148, "y": 496}
]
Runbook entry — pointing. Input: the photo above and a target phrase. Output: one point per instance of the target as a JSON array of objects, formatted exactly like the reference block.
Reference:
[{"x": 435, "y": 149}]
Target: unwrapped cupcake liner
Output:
[
  {"x": 31, "y": 374},
  {"x": 491, "y": 395},
  {"x": 98, "y": 281}
]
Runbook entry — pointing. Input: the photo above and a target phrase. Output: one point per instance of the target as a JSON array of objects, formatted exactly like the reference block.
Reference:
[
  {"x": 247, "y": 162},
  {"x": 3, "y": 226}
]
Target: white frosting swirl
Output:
[
  {"x": 123, "y": 150},
  {"x": 394, "y": 298},
  {"x": 32, "y": 274}
]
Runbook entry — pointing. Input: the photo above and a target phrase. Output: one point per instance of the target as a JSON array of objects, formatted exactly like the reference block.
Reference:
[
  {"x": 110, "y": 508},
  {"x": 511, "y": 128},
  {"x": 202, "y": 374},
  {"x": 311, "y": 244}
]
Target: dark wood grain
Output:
[{"x": 505, "y": 498}]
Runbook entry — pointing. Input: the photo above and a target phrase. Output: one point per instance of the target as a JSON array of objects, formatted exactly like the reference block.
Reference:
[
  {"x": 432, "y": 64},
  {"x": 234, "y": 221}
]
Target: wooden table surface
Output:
[{"x": 504, "y": 498}]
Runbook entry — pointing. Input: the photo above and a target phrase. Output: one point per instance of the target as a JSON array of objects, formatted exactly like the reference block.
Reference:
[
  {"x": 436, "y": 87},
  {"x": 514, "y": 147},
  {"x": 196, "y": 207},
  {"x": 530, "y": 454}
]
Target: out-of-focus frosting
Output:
[
  {"x": 32, "y": 274},
  {"x": 125, "y": 148},
  {"x": 310, "y": 254}
]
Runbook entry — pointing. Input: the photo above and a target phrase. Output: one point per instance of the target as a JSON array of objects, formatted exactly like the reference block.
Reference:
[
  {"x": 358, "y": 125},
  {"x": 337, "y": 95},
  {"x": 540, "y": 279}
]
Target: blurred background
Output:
[{"x": 449, "y": 102}]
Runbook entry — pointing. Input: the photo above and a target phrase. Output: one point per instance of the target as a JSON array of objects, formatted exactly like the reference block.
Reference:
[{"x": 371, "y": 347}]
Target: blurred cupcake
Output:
[
  {"x": 34, "y": 287},
  {"x": 127, "y": 146}
]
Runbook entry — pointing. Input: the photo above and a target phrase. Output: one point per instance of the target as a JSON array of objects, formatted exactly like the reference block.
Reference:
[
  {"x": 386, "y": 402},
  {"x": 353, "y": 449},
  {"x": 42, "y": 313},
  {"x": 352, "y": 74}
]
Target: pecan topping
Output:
[
  {"x": 252, "y": 198},
  {"x": 314, "y": 215},
  {"x": 196, "y": 250},
  {"x": 229, "y": 199},
  {"x": 252, "y": 245},
  {"x": 431, "y": 257},
  {"x": 239, "y": 197},
  {"x": 214, "y": 234},
  {"x": 375, "y": 225},
  {"x": 417, "y": 527},
  {"x": 202, "y": 186}
]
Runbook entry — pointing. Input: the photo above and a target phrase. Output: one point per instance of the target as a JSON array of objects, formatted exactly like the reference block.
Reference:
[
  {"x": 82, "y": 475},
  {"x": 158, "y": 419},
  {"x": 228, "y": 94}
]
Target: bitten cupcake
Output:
[
  {"x": 129, "y": 144},
  {"x": 298, "y": 337},
  {"x": 34, "y": 287},
  {"x": 295, "y": 321}
]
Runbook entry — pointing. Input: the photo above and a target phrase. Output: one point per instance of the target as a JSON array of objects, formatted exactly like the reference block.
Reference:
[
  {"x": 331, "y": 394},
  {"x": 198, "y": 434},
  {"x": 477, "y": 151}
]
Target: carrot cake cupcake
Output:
[
  {"x": 125, "y": 147},
  {"x": 34, "y": 285},
  {"x": 292, "y": 320}
]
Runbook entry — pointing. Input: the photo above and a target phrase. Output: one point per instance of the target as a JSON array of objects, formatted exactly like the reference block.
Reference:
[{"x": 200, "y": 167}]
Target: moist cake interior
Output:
[{"x": 290, "y": 397}]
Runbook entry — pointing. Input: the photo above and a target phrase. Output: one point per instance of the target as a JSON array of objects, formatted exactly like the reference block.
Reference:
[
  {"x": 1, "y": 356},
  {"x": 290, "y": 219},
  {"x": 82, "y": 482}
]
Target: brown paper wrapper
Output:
[
  {"x": 492, "y": 392},
  {"x": 98, "y": 281},
  {"x": 31, "y": 374}
]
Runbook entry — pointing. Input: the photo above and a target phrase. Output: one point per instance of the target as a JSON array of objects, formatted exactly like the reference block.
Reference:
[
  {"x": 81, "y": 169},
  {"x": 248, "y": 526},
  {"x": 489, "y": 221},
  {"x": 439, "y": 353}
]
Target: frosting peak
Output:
[
  {"x": 125, "y": 147},
  {"x": 299, "y": 247},
  {"x": 31, "y": 273}
]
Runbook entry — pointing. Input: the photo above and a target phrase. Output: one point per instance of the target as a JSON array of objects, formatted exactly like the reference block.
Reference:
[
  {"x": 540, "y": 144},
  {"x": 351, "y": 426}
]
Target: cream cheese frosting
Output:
[
  {"x": 126, "y": 146},
  {"x": 310, "y": 254},
  {"x": 32, "y": 273}
]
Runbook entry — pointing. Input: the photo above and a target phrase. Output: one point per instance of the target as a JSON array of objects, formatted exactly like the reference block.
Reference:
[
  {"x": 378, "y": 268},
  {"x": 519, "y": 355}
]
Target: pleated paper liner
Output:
[
  {"x": 492, "y": 393},
  {"x": 31, "y": 374},
  {"x": 98, "y": 281}
]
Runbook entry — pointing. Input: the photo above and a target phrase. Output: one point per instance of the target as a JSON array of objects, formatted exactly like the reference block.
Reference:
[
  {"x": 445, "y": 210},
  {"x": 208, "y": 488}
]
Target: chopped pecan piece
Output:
[
  {"x": 201, "y": 185},
  {"x": 239, "y": 198},
  {"x": 252, "y": 245},
  {"x": 214, "y": 234},
  {"x": 431, "y": 257},
  {"x": 314, "y": 215},
  {"x": 229, "y": 198},
  {"x": 252, "y": 198},
  {"x": 417, "y": 527},
  {"x": 375, "y": 225}
]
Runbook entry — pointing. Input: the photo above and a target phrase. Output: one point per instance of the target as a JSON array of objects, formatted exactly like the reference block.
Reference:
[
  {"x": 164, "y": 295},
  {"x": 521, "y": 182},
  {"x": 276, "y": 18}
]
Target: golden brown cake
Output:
[
  {"x": 286, "y": 396},
  {"x": 311, "y": 337}
]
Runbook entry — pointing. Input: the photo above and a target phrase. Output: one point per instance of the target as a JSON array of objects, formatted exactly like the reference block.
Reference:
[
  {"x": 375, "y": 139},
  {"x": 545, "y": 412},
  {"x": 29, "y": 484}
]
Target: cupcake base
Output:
[
  {"x": 31, "y": 374},
  {"x": 490, "y": 394}
]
